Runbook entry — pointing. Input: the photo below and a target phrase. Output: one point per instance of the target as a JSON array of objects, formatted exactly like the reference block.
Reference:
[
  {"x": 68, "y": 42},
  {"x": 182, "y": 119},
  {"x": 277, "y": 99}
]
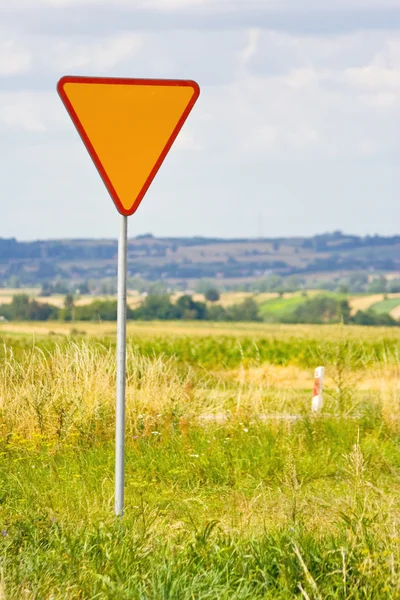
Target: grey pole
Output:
[{"x": 121, "y": 369}]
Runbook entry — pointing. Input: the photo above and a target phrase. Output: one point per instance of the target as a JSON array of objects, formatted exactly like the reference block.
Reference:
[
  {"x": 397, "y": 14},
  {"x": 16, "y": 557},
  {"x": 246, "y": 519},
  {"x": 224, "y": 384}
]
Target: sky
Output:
[{"x": 296, "y": 131}]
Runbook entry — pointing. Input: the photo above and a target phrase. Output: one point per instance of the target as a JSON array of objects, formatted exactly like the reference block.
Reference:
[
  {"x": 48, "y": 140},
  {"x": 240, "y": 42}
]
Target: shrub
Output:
[
  {"x": 320, "y": 310},
  {"x": 212, "y": 295}
]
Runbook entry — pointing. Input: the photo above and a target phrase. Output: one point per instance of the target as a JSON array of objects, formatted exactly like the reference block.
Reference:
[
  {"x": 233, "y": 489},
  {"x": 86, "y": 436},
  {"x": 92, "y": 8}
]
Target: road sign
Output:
[{"x": 128, "y": 126}]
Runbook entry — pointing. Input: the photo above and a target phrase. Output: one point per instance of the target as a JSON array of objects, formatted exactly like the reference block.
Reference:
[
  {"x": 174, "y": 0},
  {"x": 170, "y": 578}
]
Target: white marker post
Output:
[
  {"x": 121, "y": 368},
  {"x": 317, "y": 401}
]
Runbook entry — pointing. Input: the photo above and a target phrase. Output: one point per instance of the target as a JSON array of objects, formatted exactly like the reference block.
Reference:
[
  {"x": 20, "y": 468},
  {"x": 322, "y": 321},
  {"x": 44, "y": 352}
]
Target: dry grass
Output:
[
  {"x": 10, "y": 292},
  {"x": 70, "y": 391},
  {"x": 198, "y": 328},
  {"x": 364, "y": 302},
  {"x": 395, "y": 313}
]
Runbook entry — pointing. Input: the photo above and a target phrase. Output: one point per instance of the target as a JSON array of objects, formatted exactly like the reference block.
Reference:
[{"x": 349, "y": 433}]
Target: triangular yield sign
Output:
[{"x": 128, "y": 127}]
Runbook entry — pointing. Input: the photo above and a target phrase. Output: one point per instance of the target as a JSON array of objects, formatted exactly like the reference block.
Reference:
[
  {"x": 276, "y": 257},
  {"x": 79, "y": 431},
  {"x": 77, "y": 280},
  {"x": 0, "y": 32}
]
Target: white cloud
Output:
[
  {"x": 368, "y": 147},
  {"x": 276, "y": 140},
  {"x": 186, "y": 139},
  {"x": 302, "y": 78},
  {"x": 31, "y": 112},
  {"x": 93, "y": 55},
  {"x": 374, "y": 78},
  {"x": 271, "y": 95},
  {"x": 250, "y": 48},
  {"x": 383, "y": 100},
  {"x": 14, "y": 59},
  {"x": 104, "y": 16},
  {"x": 21, "y": 114},
  {"x": 382, "y": 73}
]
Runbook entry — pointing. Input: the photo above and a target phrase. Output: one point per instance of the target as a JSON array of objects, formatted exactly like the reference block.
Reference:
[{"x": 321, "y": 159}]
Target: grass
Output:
[
  {"x": 386, "y": 306},
  {"x": 197, "y": 329},
  {"x": 364, "y": 302},
  {"x": 277, "y": 308},
  {"x": 216, "y": 345},
  {"x": 232, "y": 525},
  {"x": 233, "y": 489}
]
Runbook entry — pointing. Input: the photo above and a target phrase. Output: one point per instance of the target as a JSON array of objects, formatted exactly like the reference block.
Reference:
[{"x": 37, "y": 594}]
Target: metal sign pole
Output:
[
  {"x": 122, "y": 122},
  {"x": 121, "y": 368}
]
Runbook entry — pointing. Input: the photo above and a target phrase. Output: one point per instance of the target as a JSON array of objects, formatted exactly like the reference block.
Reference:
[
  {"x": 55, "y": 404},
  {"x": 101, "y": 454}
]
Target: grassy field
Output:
[
  {"x": 233, "y": 488},
  {"x": 279, "y": 307},
  {"x": 387, "y": 306},
  {"x": 365, "y": 301}
]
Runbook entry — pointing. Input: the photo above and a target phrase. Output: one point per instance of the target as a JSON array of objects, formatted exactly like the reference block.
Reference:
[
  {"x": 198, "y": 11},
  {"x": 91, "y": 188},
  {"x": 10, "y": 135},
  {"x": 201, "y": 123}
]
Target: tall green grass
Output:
[
  {"x": 229, "y": 351},
  {"x": 245, "y": 512},
  {"x": 233, "y": 488}
]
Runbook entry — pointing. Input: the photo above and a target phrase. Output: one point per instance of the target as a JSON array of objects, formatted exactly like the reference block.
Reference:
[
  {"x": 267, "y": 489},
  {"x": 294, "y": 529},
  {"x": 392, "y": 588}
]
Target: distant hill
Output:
[{"x": 191, "y": 259}]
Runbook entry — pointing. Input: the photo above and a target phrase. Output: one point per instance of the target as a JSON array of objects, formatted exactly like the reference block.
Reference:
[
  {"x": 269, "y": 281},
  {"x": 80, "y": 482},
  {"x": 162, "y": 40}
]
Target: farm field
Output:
[
  {"x": 388, "y": 305},
  {"x": 233, "y": 488}
]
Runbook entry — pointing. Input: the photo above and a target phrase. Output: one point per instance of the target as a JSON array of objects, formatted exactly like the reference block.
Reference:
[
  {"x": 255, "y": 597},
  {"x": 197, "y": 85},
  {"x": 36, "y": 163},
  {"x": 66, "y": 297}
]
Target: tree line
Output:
[
  {"x": 318, "y": 310},
  {"x": 154, "y": 307},
  {"x": 322, "y": 309}
]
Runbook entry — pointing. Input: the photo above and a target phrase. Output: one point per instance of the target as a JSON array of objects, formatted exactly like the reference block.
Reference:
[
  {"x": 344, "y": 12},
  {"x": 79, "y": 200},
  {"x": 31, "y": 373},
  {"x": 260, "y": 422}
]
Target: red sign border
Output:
[{"x": 89, "y": 146}]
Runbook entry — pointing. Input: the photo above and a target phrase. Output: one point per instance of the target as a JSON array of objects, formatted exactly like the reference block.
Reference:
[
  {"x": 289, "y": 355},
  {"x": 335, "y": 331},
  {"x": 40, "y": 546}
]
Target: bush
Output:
[
  {"x": 156, "y": 306},
  {"x": 245, "y": 311},
  {"x": 98, "y": 310},
  {"x": 23, "y": 308},
  {"x": 212, "y": 295},
  {"x": 320, "y": 310},
  {"x": 217, "y": 313},
  {"x": 191, "y": 310},
  {"x": 370, "y": 317}
]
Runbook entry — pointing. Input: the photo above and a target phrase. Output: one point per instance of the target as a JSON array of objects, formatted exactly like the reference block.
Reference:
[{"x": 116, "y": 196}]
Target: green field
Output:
[
  {"x": 386, "y": 306},
  {"x": 233, "y": 488},
  {"x": 279, "y": 307},
  {"x": 276, "y": 308}
]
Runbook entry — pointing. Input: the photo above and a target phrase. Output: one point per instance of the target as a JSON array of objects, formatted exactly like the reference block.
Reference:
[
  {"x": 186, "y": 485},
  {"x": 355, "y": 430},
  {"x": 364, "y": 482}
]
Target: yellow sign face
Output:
[{"x": 128, "y": 127}]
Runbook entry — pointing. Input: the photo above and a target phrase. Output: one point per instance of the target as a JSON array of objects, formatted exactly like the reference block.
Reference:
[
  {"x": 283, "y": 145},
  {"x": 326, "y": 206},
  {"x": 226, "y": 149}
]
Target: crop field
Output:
[
  {"x": 234, "y": 489},
  {"x": 365, "y": 301},
  {"x": 282, "y": 306},
  {"x": 387, "y": 306}
]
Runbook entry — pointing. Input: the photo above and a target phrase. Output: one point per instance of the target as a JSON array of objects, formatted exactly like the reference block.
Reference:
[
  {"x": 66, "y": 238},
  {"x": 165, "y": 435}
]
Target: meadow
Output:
[{"x": 234, "y": 489}]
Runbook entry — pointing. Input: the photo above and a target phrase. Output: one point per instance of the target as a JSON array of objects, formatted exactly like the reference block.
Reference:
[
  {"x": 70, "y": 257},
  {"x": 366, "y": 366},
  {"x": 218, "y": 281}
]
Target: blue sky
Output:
[{"x": 296, "y": 131}]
